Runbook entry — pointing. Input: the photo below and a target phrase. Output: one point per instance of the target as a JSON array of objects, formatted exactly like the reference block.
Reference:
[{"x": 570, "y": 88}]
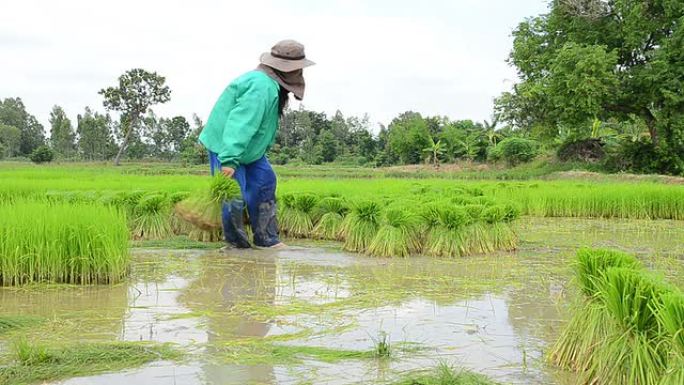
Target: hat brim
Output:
[{"x": 284, "y": 65}]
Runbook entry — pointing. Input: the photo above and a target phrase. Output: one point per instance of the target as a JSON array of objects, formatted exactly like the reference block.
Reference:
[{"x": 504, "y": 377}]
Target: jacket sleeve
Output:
[{"x": 242, "y": 123}]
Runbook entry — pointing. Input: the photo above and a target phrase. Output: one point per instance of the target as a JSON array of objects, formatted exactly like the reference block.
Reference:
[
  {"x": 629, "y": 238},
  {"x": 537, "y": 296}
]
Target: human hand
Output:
[{"x": 228, "y": 171}]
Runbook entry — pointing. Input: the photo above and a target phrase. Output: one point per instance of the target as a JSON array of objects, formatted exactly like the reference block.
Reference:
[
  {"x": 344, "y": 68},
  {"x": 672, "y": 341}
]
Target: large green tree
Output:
[
  {"x": 13, "y": 113},
  {"x": 137, "y": 91},
  {"x": 95, "y": 136},
  {"x": 10, "y": 140},
  {"x": 408, "y": 135},
  {"x": 62, "y": 135},
  {"x": 605, "y": 59}
]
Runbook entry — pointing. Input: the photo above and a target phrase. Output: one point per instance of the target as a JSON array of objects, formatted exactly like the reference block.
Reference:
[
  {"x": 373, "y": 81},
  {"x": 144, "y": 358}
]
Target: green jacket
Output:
[{"x": 243, "y": 123}]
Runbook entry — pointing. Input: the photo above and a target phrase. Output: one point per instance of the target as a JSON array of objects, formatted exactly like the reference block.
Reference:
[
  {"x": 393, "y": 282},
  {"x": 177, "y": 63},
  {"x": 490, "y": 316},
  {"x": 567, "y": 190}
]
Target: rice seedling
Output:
[
  {"x": 500, "y": 234},
  {"x": 152, "y": 218},
  {"x": 8, "y": 323},
  {"x": 398, "y": 235},
  {"x": 330, "y": 213},
  {"x": 204, "y": 209},
  {"x": 300, "y": 223},
  {"x": 383, "y": 347},
  {"x": 589, "y": 325},
  {"x": 670, "y": 314},
  {"x": 63, "y": 243},
  {"x": 38, "y": 363},
  {"x": 632, "y": 352},
  {"x": 444, "y": 375},
  {"x": 178, "y": 225},
  {"x": 444, "y": 239},
  {"x": 360, "y": 226},
  {"x": 286, "y": 205}
]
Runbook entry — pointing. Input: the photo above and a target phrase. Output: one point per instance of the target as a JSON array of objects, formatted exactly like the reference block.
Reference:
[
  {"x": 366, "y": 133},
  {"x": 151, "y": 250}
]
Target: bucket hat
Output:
[{"x": 286, "y": 56}]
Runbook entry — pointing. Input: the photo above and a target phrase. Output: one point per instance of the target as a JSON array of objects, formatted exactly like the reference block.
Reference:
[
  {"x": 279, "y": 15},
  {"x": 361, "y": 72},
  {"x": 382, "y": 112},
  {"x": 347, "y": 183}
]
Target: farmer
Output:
[{"x": 240, "y": 130}]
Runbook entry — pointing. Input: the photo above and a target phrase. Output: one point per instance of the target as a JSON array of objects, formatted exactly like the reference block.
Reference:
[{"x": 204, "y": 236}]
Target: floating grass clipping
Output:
[
  {"x": 360, "y": 226},
  {"x": 37, "y": 363},
  {"x": 444, "y": 375},
  {"x": 671, "y": 317},
  {"x": 203, "y": 210},
  {"x": 152, "y": 218},
  {"x": 301, "y": 221},
  {"x": 632, "y": 352},
  {"x": 589, "y": 324},
  {"x": 329, "y": 215},
  {"x": 398, "y": 236},
  {"x": 62, "y": 243},
  {"x": 9, "y": 323},
  {"x": 444, "y": 238}
]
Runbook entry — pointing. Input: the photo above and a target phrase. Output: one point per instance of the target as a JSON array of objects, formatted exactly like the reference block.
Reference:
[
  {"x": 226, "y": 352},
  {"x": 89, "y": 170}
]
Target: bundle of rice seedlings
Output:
[
  {"x": 500, "y": 232},
  {"x": 300, "y": 223},
  {"x": 360, "y": 226},
  {"x": 476, "y": 235},
  {"x": 588, "y": 326},
  {"x": 632, "y": 352},
  {"x": 330, "y": 213},
  {"x": 286, "y": 204},
  {"x": 671, "y": 318},
  {"x": 398, "y": 235},
  {"x": 178, "y": 225},
  {"x": 152, "y": 218},
  {"x": 444, "y": 239},
  {"x": 203, "y": 210}
]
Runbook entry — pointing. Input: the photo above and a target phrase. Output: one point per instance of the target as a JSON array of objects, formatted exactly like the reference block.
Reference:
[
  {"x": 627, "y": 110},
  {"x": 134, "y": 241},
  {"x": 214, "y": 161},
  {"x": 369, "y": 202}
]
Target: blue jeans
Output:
[{"x": 258, "y": 185}]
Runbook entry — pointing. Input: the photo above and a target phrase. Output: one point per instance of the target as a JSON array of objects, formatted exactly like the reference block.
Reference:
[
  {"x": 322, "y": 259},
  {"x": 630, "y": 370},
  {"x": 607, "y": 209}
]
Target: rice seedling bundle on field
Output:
[
  {"x": 62, "y": 243},
  {"x": 203, "y": 209},
  {"x": 329, "y": 215},
  {"x": 360, "y": 226},
  {"x": 151, "y": 218},
  {"x": 628, "y": 329},
  {"x": 399, "y": 235},
  {"x": 300, "y": 221}
]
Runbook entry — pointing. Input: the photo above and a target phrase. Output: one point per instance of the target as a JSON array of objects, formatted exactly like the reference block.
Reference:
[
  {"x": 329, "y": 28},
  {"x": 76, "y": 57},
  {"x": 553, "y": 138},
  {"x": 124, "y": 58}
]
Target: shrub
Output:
[
  {"x": 642, "y": 156},
  {"x": 515, "y": 151},
  {"x": 42, "y": 154},
  {"x": 581, "y": 150}
]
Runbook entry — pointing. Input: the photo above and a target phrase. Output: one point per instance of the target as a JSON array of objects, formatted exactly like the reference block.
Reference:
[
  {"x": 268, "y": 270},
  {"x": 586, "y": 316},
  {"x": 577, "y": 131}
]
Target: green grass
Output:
[
  {"x": 444, "y": 375},
  {"x": 33, "y": 363},
  {"x": 9, "y": 323},
  {"x": 562, "y": 198},
  {"x": 62, "y": 243}
]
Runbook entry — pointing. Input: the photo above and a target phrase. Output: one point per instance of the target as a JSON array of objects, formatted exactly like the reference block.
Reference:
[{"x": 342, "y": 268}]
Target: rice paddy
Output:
[{"x": 386, "y": 277}]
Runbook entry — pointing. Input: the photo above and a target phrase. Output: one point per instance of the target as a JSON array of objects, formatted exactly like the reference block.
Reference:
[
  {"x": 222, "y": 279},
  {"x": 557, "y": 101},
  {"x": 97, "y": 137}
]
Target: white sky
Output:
[{"x": 437, "y": 57}]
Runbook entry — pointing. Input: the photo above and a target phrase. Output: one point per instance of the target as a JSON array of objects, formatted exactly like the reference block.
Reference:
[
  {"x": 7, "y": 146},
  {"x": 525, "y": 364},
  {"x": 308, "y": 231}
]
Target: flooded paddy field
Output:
[{"x": 311, "y": 314}]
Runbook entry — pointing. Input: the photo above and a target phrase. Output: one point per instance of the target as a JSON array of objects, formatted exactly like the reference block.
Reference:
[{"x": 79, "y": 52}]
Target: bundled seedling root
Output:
[
  {"x": 329, "y": 214},
  {"x": 671, "y": 316},
  {"x": 397, "y": 236},
  {"x": 151, "y": 218},
  {"x": 444, "y": 239},
  {"x": 204, "y": 210},
  {"x": 360, "y": 226},
  {"x": 588, "y": 326},
  {"x": 631, "y": 353},
  {"x": 301, "y": 221}
]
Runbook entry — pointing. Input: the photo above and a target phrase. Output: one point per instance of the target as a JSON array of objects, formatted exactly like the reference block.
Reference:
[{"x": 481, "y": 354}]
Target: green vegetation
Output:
[
  {"x": 445, "y": 375},
  {"x": 9, "y": 323},
  {"x": 627, "y": 327},
  {"x": 61, "y": 242},
  {"x": 31, "y": 363}
]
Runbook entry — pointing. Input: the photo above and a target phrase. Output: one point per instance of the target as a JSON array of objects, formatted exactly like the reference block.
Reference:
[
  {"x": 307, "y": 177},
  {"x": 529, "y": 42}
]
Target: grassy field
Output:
[{"x": 608, "y": 198}]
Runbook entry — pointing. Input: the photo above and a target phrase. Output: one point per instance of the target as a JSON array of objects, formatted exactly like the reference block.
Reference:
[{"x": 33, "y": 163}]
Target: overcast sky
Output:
[{"x": 437, "y": 57}]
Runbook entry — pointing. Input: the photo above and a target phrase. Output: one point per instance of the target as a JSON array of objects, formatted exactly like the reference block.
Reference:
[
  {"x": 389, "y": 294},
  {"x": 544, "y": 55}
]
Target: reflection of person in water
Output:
[{"x": 221, "y": 286}]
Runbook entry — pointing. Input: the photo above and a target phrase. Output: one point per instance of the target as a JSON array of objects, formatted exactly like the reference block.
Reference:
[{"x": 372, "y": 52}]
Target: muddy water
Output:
[{"x": 493, "y": 314}]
